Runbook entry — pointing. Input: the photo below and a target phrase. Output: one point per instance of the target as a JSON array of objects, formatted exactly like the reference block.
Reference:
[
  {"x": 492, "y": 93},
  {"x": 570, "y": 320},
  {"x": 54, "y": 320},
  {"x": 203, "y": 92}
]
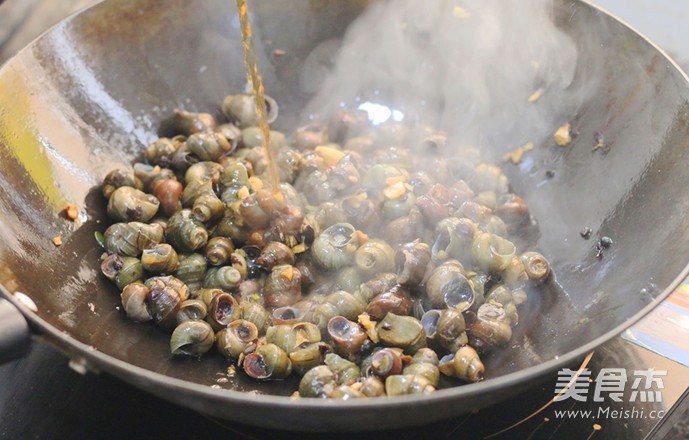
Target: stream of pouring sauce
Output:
[{"x": 254, "y": 78}]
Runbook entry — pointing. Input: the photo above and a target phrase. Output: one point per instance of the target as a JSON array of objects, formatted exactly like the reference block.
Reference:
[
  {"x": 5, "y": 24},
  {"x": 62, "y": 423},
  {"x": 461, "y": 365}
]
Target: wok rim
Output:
[{"x": 95, "y": 360}]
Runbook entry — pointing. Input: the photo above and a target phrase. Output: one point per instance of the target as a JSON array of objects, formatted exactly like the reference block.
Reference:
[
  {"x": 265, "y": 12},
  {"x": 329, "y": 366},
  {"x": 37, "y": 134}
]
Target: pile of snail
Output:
[{"x": 382, "y": 263}]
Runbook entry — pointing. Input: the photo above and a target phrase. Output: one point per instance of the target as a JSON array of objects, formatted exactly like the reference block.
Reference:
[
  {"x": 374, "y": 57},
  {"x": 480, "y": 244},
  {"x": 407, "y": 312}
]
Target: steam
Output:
[{"x": 466, "y": 67}]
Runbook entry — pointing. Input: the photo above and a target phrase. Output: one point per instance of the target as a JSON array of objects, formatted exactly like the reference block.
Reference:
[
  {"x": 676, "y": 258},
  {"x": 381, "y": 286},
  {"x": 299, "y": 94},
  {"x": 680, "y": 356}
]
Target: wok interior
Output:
[{"x": 92, "y": 92}]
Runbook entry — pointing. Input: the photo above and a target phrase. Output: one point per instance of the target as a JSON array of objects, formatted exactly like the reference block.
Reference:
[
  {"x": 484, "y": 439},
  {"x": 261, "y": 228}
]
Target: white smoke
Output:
[{"x": 467, "y": 67}]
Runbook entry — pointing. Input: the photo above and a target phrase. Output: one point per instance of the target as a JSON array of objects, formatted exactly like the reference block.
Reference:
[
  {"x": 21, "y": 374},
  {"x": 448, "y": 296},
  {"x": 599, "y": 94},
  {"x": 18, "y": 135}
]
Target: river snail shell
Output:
[
  {"x": 447, "y": 286},
  {"x": 192, "y": 338},
  {"x": 464, "y": 364},
  {"x": 161, "y": 258},
  {"x": 134, "y": 302},
  {"x": 132, "y": 238},
  {"x": 411, "y": 262},
  {"x": 267, "y": 362},
  {"x": 233, "y": 340},
  {"x": 130, "y": 204},
  {"x": 348, "y": 337}
]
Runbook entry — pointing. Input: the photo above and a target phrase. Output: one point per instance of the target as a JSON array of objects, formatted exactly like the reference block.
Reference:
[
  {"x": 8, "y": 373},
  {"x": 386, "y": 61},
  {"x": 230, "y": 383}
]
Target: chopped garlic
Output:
[
  {"x": 72, "y": 211},
  {"x": 243, "y": 192},
  {"x": 460, "y": 12},
  {"x": 535, "y": 95},
  {"x": 563, "y": 135},
  {"x": 299, "y": 249},
  {"x": 364, "y": 320},
  {"x": 395, "y": 191},
  {"x": 256, "y": 183},
  {"x": 330, "y": 154},
  {"x": 515, "y": 156}
]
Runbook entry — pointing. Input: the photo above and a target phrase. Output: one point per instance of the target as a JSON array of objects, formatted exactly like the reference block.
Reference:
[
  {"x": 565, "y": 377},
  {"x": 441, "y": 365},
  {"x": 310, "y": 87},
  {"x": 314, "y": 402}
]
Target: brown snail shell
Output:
[
  {"x": 411, "y": 261},
  {"x": 424, "y": 363},
  {"x": 188, "y": 122},
  {"x": 445, "y": 328},
  {"x": 395, "y": 300},
  {"x": 117, "y": 178},
  {"x": 218, "y": 251},
  {"x": 234, "y": 340},
  {"x": 376, "y": 285},
  {"x": 161, "y": 258},
  {"x": 447, "y": 286},
  {"x": 134, "y": 302},
  {"x": 491, "y": 328},
  {"x": 401, "y": 384},
  {"x": 267, "y": 362},
  {"x": 386, "y": 362},
  {"x": 222, "y": 310},
  {"x": 164, "y": 299},
  {"x": 348, "y": 337},
  {"x": 275, "y": 253},
  {"x": 130, "y": 204},
  {"x": 168, "y": 192},
  {"x": 131, "y": 238},
  {"x": 282, "y": 287},
  {"x": 401, "y": 331}
]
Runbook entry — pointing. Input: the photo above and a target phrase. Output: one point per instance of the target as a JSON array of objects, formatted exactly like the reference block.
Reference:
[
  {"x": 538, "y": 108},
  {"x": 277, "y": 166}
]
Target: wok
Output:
[{"x": 87, "y": 95}]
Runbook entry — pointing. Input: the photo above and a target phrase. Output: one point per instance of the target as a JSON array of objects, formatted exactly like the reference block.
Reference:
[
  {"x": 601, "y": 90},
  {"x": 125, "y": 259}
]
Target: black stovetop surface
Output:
[{"x": 41, "y": 397}]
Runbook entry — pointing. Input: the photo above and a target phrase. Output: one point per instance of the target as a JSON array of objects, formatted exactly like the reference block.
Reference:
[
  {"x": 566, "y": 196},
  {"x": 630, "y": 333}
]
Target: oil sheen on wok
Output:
[{"x": 386, "y": 260}]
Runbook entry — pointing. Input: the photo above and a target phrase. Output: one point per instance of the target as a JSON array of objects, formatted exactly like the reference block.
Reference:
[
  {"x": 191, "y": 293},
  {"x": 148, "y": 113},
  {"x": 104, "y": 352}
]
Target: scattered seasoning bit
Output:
[
  {"x": 71, "y": 211},
  {"x": 231, "y": 371},
  {"x": 361, "y": 236},
  {"x": 92, "y": 307},
  {"x": 243, "y": 192},
  {"x": 563, "y": 135},
  {"x": 515, "y": 156},
  {"x": 460, "y": 12},
  {"x": 329, "y": 154},
  {"x": 369, "y": 326},
  {"x": 597, "y": 427},
  {"x": 288, "y": 273},
  {"x": 300, "y": 248},
  {"x": 586, "y": 233},
  {"x": 549, "y": 174},
  {"x": 295, "y": 396},
  {"x": 535, "y": 95},
  {"x": 599, "y": 143},
  {"x": 255, "y": 183},
  {"x": 394, "y": 191},
  {"x": 57, "y": 241},
  {"x": 279, "y": 52},
  {"x": 546, "y": 419}
]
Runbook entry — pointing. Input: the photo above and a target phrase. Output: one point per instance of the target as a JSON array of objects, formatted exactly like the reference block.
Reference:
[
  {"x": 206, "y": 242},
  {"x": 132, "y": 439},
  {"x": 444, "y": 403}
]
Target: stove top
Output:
[{"x": 41, "y": 397}]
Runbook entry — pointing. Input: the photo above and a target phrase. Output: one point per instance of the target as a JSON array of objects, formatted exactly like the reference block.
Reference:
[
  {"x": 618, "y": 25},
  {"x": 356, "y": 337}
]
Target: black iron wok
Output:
[{"x": 91, "y": 92}]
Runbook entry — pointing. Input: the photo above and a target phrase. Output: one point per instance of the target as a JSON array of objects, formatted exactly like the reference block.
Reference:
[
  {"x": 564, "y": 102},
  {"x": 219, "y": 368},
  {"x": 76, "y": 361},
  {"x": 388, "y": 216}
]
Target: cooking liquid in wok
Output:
[{"x": 254, "y": 78}]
